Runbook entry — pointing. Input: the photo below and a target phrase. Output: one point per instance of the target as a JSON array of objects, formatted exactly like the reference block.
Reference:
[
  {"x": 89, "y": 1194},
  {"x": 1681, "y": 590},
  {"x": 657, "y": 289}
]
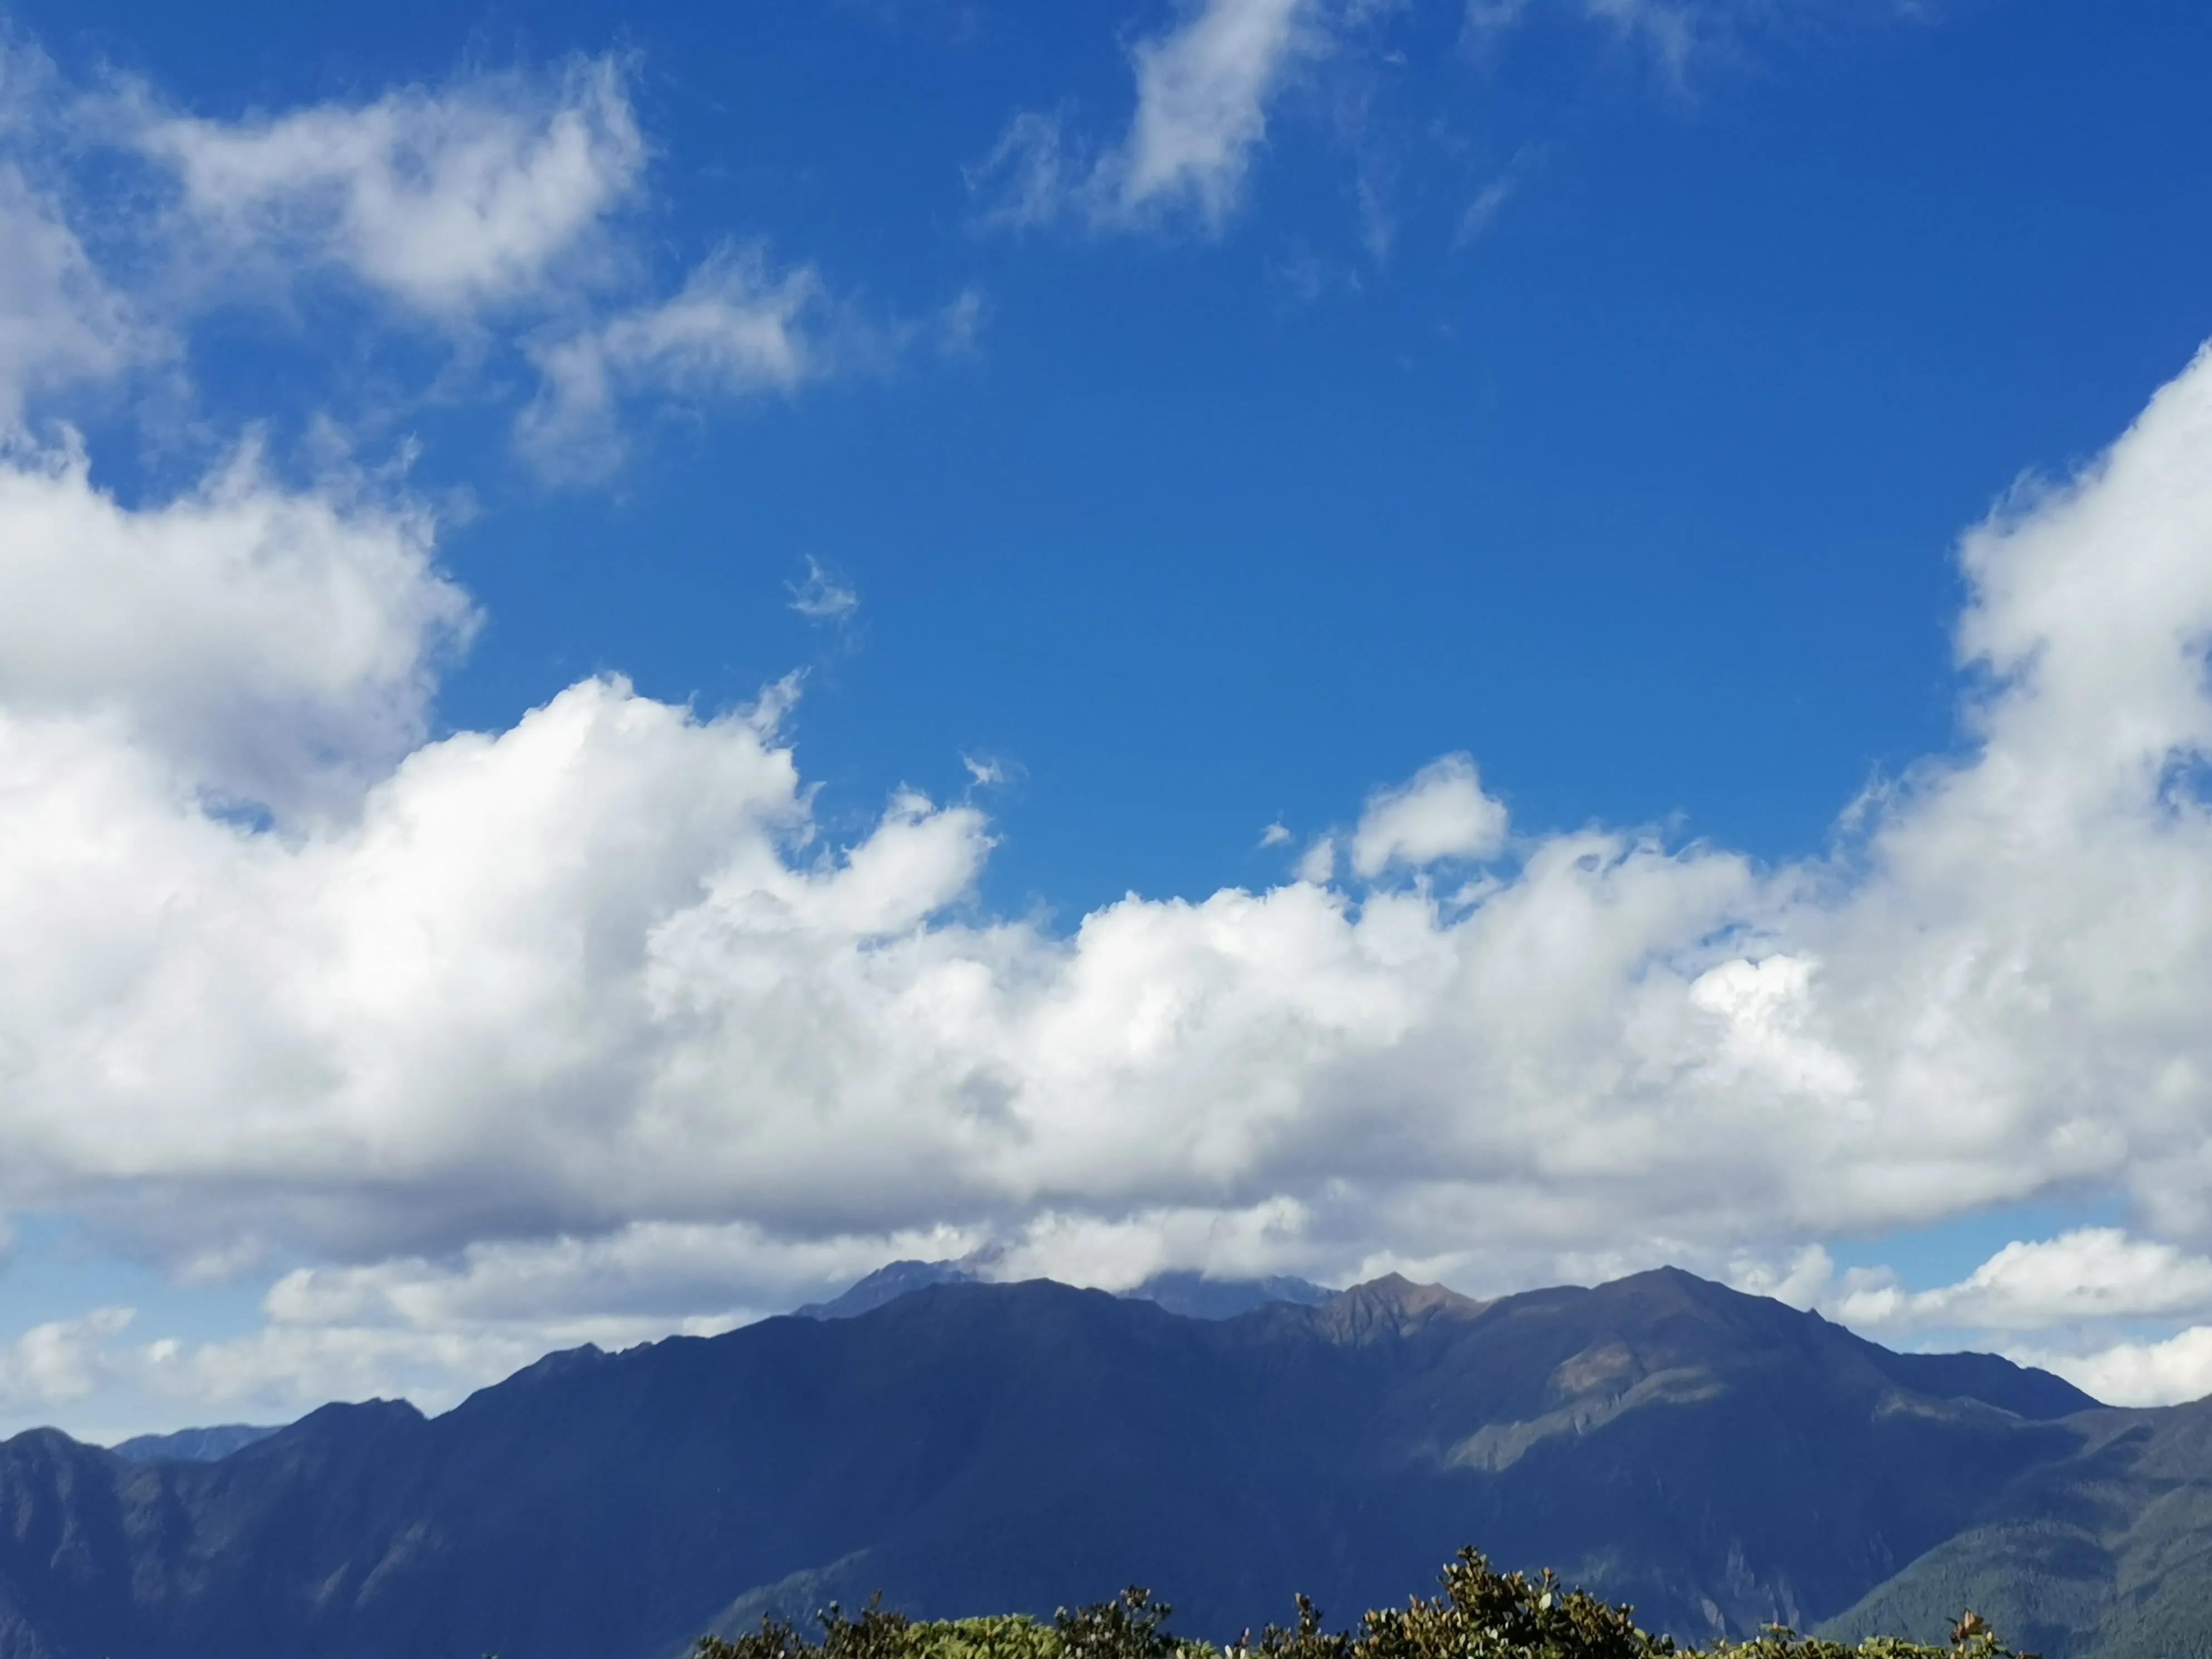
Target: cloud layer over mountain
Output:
[{"x": 587, "y": 1025}]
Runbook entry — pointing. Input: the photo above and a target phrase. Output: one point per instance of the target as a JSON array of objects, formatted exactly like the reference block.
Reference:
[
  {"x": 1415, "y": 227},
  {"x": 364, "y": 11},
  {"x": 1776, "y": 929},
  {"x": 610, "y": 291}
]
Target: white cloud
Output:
[
  {"x": 823, "y": 597},
  {"x": 492, "y": 207},
  {"x": 1275, "y": 835},
  {"x": 1482, "y": 212},
  {"x": 1031, "y": 175},
  {"x": 736, "y": 328},
  {"x": 1203, "y": 91},
  {"x": 60, "y": 321},
  {"x": 452, "y": 201},
  {"x": 2091, "y": 1273},
  {"x": 55, "y": 1363},
  {"x": 1802, "y": 1282},
  {"x": 1317, "y": 864},
  {"x": 1440, "y": 814},
  {"x": 1202, "y": 94},
  {"x": 2165, "y": 1373},
  {"x": 583, "y": 984},
  {"x": 269, "y": 646}
]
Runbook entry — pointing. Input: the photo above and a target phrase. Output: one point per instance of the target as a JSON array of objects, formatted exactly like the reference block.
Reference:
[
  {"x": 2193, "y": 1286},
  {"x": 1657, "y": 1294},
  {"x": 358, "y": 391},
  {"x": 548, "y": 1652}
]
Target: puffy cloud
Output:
[
  {"x": 2160, "y": 1372},
  {"x": 59, "y": 1361},
  {"x": 1203, "y": 91},
  {"x": 1317, "y": 864},
  {"x": 450, "y": 201},
  {"x": 2165, "y": 1373},
  {"x": 581, "y": 1001},
  {"x": 272, "y": 647},
  {"x": 490, "y": 207},
  {"x": 1442, "y": 813},
  {"x": 2089, "y": 1275}
]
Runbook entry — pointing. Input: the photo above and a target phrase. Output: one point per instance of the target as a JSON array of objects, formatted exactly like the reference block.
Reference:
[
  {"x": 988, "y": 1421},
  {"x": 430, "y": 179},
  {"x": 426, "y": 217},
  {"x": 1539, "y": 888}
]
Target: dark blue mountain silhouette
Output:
[{"x": 1719, "y": 1459}]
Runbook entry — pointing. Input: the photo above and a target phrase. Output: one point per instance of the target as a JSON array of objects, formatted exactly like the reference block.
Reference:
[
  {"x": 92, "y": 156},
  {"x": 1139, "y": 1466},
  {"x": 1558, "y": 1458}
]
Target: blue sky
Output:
[{"x": 1149, "y": 448}]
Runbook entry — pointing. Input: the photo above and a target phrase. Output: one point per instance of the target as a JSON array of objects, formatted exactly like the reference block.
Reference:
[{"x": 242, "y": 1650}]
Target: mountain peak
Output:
[
  {"x": 1192, "y": 1294},
  {"x": 1392, "y": 1305}
]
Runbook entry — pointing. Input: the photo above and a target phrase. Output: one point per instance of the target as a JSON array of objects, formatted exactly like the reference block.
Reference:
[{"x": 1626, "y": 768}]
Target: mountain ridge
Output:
[{"x": 970, "y": 1448}]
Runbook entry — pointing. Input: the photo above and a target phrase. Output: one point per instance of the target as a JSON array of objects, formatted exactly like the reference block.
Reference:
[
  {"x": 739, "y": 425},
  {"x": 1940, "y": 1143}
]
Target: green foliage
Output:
[{"x": 1482, "y": 1615}]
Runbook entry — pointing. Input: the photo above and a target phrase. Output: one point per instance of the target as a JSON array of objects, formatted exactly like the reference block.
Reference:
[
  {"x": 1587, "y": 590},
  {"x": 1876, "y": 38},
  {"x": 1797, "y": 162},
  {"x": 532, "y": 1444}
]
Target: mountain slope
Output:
[
  {"x": 2109, "y": 1549},
  {"x": 1718, "y": 1459}
]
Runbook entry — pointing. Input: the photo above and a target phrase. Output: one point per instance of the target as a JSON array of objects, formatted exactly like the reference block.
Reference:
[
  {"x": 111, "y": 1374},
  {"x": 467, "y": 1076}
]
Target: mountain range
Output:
[
  {"x": 1195, "y": 1296},
  {"x": 1722, "y": 1461}
]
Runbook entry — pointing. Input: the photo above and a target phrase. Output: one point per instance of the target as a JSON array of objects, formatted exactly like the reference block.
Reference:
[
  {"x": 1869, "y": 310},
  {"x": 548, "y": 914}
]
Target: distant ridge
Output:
[
  {"x": 888, "y": 1284},
  {"x": 207, "y": 1445},
  {"x": 1722, "y": 1461},
  {"x": 1195, "y": 1296}
]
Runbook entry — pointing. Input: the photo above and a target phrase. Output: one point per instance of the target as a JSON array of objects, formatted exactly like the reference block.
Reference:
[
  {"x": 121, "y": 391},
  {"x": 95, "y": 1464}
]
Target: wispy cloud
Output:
[
  {"x": 1204, "y": 88},
  {"x": 821, "y": 596},
  {"x": 1480, "y": 215},
  {"x": 1675, "y": 36},
  {"x": 738, "y": 328}
]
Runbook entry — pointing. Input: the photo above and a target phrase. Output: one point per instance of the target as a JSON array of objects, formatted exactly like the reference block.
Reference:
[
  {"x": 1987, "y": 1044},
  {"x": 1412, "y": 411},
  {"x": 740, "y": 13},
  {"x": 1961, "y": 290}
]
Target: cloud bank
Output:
[
  {"x": 482, "y": 1041},
  {"x": 537, "y": 1020}
]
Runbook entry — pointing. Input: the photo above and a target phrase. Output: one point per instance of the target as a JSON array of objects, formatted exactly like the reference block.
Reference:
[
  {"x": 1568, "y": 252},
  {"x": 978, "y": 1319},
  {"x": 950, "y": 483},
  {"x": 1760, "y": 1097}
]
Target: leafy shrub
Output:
[{"x": 1482, "y": 1615}]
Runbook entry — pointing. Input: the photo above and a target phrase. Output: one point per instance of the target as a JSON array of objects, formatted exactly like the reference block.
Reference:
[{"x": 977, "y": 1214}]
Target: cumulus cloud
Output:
[
  {"x": 2161, "y": 1373},
  {"x": 1440, "y": 814},
  {"x": 59, "y": 1361},
  {"x": 450, "y": 201},
  {"x": 2093, "y": 1273},
  {"x": 490, "y": 208},
  {"x": 262, "y": 646},
  {"x": 599, "y": 994},
  {"x": 1203, "y": 91}
]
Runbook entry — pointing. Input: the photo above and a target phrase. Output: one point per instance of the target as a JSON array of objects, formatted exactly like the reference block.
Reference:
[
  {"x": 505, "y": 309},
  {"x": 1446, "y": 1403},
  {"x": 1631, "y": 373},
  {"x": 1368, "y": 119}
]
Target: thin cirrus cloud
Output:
[
  {"x": 737, "y": 328},
  {"x": 1203, "y": 91},
  {"x": 576, "y": 1002},
  {"x": 1675, "y": 36},
  {"x": 823, "y": 596},
  {"x": 1208, "y": 84}
]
